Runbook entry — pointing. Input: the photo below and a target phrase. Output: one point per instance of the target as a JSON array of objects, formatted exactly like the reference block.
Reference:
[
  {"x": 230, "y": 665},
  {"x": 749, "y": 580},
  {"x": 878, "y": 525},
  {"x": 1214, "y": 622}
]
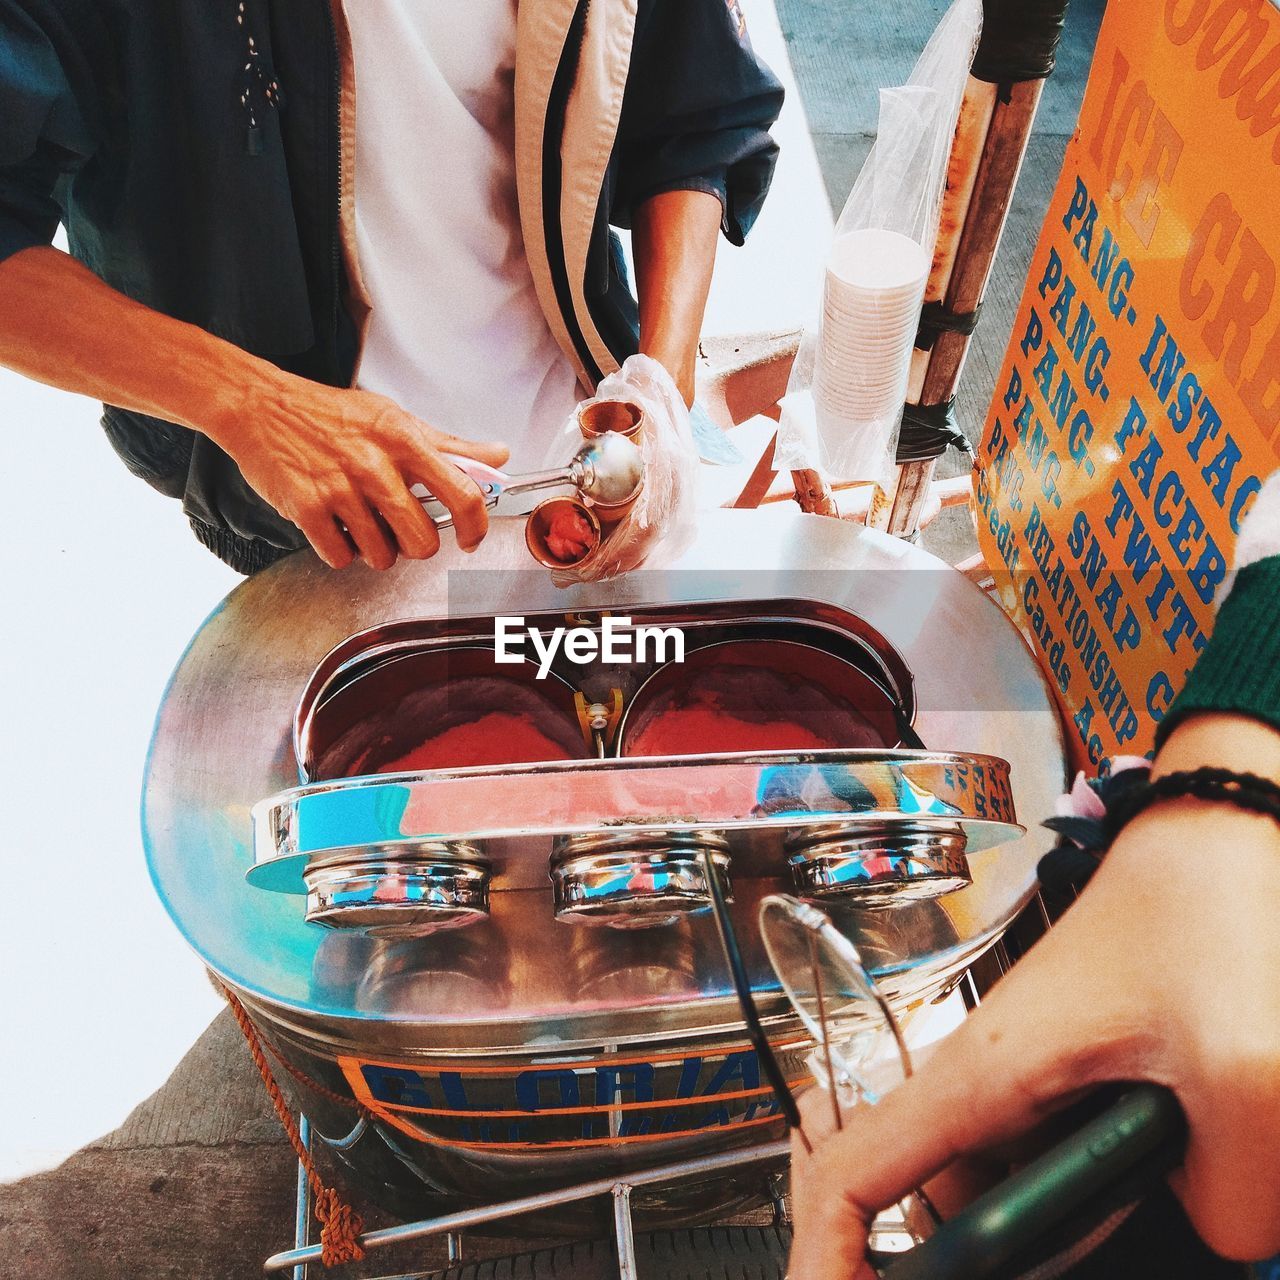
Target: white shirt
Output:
[{"x": 457, "y": 336}]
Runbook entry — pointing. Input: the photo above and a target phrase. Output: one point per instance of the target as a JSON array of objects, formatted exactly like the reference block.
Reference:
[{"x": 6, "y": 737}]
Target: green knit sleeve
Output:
[{"x": 1239, "y": 670}]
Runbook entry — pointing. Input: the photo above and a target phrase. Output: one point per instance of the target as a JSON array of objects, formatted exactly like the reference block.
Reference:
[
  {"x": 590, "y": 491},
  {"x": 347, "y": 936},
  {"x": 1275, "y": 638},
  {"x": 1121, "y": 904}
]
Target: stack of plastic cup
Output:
[{"x": 871, "y": 309}]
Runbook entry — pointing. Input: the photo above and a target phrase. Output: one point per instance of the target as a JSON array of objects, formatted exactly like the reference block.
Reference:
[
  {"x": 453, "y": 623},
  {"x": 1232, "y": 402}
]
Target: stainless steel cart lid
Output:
[{"x": 223, "y": 743}]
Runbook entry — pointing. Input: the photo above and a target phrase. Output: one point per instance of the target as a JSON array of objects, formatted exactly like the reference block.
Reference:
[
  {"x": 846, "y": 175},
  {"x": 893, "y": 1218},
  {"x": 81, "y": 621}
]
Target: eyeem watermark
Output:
[{"x": 614, "y": 640}]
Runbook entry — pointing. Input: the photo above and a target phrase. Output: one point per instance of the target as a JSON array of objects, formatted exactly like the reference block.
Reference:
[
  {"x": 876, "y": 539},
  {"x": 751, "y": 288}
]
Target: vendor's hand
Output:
[
  {"x": 332, "y": 459},
  {"x": 1167, "y": 969},
  {"x": 662, "y": 520}
]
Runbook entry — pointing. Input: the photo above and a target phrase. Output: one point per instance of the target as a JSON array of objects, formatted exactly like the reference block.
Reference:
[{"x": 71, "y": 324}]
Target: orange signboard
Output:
[{"x": 1138, "y": 408}]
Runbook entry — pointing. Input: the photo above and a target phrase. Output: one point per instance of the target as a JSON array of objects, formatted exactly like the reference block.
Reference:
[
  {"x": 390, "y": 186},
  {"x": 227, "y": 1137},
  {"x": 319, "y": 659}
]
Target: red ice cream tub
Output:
[
  {"x": 452, "y": 707},
  {"x": 758, "y": 695}
]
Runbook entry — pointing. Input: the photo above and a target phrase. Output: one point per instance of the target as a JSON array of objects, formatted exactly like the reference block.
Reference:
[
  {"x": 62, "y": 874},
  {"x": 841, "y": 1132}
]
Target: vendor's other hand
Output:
[
  {"x": 339, "y": 463},
  {"x": 1165, "y": 970}
]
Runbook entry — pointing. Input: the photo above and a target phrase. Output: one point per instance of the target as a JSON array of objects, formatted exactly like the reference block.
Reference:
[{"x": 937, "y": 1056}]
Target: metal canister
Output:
[
  {"x": 441, "y": 884},
  {"x": 626, "y": 881},
  {"x": 880, "y": 866}
]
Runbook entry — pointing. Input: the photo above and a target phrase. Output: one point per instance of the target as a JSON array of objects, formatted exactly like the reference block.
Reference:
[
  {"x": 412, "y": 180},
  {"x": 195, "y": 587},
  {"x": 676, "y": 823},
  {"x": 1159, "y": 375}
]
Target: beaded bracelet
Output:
[
  {"x": 1084, "y": 840},
  {"x": 1247, "y": 791}
]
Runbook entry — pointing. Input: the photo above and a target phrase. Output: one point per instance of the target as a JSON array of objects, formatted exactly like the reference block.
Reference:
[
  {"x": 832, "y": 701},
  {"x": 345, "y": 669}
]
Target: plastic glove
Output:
[{"x": 663, "y": 519}]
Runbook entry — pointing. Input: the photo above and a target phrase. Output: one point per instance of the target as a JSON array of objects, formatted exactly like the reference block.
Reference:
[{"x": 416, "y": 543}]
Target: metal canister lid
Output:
[
  {"x": 880, "y": 864},
  {"x": 635, "y": 881},
  {"x": 439, "y": 885}
]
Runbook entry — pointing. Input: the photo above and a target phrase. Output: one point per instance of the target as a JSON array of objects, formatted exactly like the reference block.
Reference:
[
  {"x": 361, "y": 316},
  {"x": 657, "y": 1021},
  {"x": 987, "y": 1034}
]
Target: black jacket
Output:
[{"x": 153, "y": 130}]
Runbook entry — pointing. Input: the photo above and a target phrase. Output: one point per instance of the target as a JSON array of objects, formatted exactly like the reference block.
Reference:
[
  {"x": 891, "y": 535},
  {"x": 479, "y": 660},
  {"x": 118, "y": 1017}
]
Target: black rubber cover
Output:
[
  {"x": 928, "y": 431},
  {"x": 1019, "y": 39}
]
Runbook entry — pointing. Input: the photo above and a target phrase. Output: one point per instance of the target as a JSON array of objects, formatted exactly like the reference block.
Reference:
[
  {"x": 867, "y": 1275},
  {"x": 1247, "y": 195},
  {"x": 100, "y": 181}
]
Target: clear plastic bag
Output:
[
  {"x": 845, "y": 395},
  {"x": 662, "y": 521}
]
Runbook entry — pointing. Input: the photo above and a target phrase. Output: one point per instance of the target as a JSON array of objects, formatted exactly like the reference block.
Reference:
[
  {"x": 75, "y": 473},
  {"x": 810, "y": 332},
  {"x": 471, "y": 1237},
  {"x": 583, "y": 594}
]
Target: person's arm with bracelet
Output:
[{"x": 1167, "y": 969}]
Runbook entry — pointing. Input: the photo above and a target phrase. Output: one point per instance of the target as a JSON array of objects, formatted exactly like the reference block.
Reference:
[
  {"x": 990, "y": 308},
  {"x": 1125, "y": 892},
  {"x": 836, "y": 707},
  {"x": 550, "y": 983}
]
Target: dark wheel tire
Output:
[{"x": 701, "y": 1253}]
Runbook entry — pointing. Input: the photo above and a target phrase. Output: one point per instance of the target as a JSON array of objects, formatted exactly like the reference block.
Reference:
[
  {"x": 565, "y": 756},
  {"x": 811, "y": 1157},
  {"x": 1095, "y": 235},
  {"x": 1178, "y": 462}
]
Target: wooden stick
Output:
[
  {"x": 972, "y": 127},
  {"x": 756, "y": 489},
  {"x": 1001, "y": 162},
  {"x": 915, "y": 380},
  {"x": 900, "y": 511},
  {"x": 813, "y": 494},
  {"x": 996, "y": 175}
]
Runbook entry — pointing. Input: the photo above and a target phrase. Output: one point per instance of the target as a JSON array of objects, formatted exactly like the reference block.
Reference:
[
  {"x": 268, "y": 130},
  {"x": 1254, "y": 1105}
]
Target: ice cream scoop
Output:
[{"x": 608, "y": 469}]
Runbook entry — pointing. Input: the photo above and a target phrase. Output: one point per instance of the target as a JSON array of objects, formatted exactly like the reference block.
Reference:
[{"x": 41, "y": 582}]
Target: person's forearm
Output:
[
  {"x": 1221, "y": 741},
  {"x": 61, "y": 325},
  {"x": 674, "y": 242},
  {"x": 337, "y": 462}
]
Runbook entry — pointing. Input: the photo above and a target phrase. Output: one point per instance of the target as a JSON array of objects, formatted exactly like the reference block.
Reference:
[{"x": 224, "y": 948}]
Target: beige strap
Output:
[
  {"x": 542, "y": 26},
  {"x": 590, "y": 132}
]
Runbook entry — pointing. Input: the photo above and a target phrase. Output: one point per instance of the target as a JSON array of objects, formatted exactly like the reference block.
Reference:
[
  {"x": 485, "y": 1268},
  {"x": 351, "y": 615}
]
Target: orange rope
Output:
[
  {"x": 340, "y": 1225},
  {"x": 314, "y": 1085}
]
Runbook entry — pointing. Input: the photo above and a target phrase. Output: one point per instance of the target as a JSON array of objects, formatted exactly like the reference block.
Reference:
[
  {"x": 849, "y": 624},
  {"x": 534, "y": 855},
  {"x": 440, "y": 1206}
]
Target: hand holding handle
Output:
[
  {"x": 491, "y": 481},
  {"x": 1117, "y": 1156}
]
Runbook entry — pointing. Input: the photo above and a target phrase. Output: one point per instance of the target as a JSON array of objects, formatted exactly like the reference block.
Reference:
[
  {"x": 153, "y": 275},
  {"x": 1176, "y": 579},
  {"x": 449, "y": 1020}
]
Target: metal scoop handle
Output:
[
  {"x": 607, "y": 469},
  {"x": 494, "y": 485}
]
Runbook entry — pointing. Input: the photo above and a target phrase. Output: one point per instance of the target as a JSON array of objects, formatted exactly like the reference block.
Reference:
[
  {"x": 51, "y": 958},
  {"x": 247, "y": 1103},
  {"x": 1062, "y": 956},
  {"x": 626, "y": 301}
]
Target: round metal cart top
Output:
[{"x": 223, "y": 743}]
